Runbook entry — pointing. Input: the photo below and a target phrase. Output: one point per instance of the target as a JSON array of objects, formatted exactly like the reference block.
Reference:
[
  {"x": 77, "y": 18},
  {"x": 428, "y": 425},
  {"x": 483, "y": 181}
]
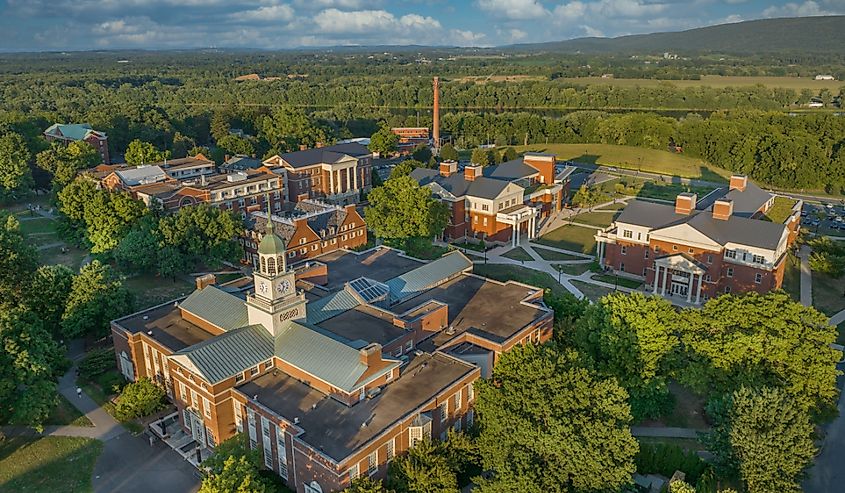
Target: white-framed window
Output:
[
  {"x": 183, "y": 392},
  {"x": 470, "y": 417},
  {"x": 282, "y": 452},
  {"x": 209, "y": 438},
  {"x": 253, "y": 436},
  {"x": 239, "y": 418},
  {"x": 389, "y": 376},
  {"x": 646, "y": 253},
  {"x": 239, "y": 377},
  {"x": 758, "y": 259},
  {"x": 206, "y": 405},
  {"x": 758, "y": 278},
  {"x": 730, "y": 254},
  {"x": 458, "y": 400},
  {"x": 372, "y": 463},
  {"x": 409, "y": 346},
  {"x": 253, "y": 371},
  {"x": 194, "y": 399},
  {"x": 391, "y": 449},
  {"x": 675, "y": 248},
  {"x": 709, "y": 259},
  {"x": 470, "y": 393},
  {"x": 353, "y": 473},
  {"x": 623, "y": 250},
  {"x": 266, "y": 441},
  {"x": 727, "y": 289},
  {"x": 730, "y": 272},
  {"x": 302, "y": 241},
  {"x": 627, "y": 233},
  {"x": 444, "y": 411}
]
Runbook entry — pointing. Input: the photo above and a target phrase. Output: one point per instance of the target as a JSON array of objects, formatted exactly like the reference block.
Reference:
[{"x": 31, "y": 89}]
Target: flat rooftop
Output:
[
  {"x": 337, "y": 430},
  {"x": 167, "y": 326},
  {"x": 492, "y": 308},
  {"x": 379, "y": 265},
  {"x": 364, "y": 323}
]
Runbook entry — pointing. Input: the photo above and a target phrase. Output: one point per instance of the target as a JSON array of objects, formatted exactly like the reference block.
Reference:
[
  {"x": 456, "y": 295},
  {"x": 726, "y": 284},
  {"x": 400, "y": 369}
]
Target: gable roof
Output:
[
  {"x": 458, "y": 186},
  {"x": 510, "y": 170},
  {"x": 327, "y": 155},
  {"x": 73, "y": 131},
  {"x": 228, "y": 354},
  {"x": 242, "y": 162},
  {"x": 649, "y": 214},
  {"x": 216, "y": 307},
  {"x": 330, "y": 306},
  {"x": 427, "y": 276},
  {"x": 747, "y": 202}
]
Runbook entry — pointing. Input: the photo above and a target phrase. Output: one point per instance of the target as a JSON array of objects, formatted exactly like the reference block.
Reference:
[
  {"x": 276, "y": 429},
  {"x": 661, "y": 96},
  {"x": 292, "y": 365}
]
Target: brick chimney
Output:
[
  {"x": 472, "y": 171},
  {"x": 370, "y": 355},
  {"x": 723, "y": 209},
  {"x": 685, "y": 203},
  {"x": 739, "y": 182},
  {"x": 302, "y": 147},
  {"x": 206, "y": 280},
  {"x": 319, "y": 145},
  {"x": 448, "y": 167}
]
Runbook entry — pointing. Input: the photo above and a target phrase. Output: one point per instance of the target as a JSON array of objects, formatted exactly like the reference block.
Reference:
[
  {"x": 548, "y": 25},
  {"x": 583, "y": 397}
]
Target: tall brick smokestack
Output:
[{"x": 436, "y": 125}]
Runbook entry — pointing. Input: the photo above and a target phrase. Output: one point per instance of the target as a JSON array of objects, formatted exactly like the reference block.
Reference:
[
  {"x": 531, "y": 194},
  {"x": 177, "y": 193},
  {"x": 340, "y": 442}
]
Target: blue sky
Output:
[{"x": 30, "y": 25}]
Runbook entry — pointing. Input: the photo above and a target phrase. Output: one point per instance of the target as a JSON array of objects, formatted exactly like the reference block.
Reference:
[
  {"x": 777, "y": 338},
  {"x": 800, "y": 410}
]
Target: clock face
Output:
[
  {"x": 283, "y": 286},
  {"x": 262, "y": 287}
]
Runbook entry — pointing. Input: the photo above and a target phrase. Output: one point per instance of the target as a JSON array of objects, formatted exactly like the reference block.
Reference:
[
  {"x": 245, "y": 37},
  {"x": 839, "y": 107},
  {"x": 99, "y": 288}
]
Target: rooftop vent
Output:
[
  {"x": 296, "y": 421},
  {"x": 149, "y": 333},
  {"x": 238, "y": 176}
]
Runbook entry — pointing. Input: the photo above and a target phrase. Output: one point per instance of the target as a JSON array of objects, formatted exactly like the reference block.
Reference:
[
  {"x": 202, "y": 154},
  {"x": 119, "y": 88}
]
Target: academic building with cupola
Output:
[{"x": 332, "y": 368}]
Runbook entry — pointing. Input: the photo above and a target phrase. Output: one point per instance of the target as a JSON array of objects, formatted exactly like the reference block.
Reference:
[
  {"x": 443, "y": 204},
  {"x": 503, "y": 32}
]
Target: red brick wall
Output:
[{"x": 545, "y": 166}]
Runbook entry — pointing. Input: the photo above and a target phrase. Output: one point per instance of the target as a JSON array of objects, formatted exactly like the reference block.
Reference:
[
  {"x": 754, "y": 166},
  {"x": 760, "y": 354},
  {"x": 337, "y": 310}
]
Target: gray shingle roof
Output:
[
  {"x": 427, "y": 276},
  {"x": 217, "y": 307},
  {"x": 510, "y": 170},
  {"x": 241, "y": 162},
  {"x": 231, "y": 353},
  {"x": 748, "y": 201},
  {"x": 649, "y": 214},
  {"x": 482, "y": 187},
  {"x": 329, "y": 154}
]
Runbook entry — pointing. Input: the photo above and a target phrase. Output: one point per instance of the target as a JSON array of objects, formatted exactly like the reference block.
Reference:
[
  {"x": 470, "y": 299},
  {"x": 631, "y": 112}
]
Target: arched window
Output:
[
  {"x": 271, "y": 266},
  {"x": 263, "y": 265}
]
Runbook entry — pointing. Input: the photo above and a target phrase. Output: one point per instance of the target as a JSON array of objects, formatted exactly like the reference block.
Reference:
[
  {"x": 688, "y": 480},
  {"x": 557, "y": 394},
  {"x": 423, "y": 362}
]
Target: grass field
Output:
[
  {"x": 828, "y": 293},
  {"x": 48, "y": 464},
  {"x": 518, "y": 253},
  {"x": 151, "y": 290},
  {"x": 66, "y": 414},
  {"x": 591, "y": 291},
  {"x": 573, "y": 269},
  {"x": 718, "y": 81},
  {"x": 99, "y": 391},
  {"x": 507, "y": 272},
  {"x": 636, "y": 158},
  {"x": 792, "y": 277},
  {"x": 598, "y": 218},
  {"x": 574, "y": 238},
  {"x": 38, "y": 225},
  {"x": 617, "y": 280},
  {"x": 554, "y": 256}
]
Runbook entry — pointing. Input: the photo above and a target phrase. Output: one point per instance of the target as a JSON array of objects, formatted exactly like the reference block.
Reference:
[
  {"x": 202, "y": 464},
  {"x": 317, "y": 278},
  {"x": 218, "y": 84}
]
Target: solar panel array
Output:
[{"x": 369, "y": 290}]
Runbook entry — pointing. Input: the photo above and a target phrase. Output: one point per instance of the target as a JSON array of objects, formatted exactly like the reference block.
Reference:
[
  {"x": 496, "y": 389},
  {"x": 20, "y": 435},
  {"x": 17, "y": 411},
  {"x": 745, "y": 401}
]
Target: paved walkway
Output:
[{"x": 806, "y": 277}]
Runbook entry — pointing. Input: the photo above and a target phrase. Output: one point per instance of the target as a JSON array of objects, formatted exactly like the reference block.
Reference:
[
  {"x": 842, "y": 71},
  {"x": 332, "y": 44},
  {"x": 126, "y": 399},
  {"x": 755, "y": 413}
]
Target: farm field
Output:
[
  {"x": 634, "y": 158},
  {"x": 718, "y": 81}
]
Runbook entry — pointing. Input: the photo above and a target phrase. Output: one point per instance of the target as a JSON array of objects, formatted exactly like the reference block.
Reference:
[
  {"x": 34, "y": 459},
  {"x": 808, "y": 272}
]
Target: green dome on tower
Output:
[{"x": 271, "y": 244}]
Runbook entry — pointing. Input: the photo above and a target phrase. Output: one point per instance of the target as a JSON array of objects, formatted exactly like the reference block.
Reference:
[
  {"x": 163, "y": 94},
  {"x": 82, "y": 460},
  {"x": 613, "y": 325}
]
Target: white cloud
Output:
[
  {"x": 466, "y": 38},
  {"x": 626, "y": 8},
  {"x": 809, "y": 7},
  {"x": 592, "y": 32},
  {"x": 514, "y": 9},
  {"x": 570, "y": 11},
  {"x": 378, "y": 24},
  {"x": 339, "y": 4},
  {"x": 271, "y": 13}
]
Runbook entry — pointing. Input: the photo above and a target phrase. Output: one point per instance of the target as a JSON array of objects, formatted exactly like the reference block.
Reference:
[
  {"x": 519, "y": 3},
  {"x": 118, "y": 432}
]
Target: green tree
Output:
[
  {"x": 172, "y": 262},
  {"x": 405, "y": 168},
  {"x": 761, "y": 340},
  {"x": 401, "y": 209},
  {"x": 140, "y": 152},
  {"x": 424, "y": 469},
  {"x": 287, "y": 128},
  {"x": 238, "y": 447},
  {"x": 548, "y": 424},
  {"x": 138, "y": 250},
  {"x": 108, "y": 217},
  {"x": 95, "y": 299},
  {"x": 509, "y": 154},
  {"x": 202, "y": 232},
  {"x": 64, "y": 161},
  {"x": 75, "y": 197},
  {"x": 14, "y": 162},
  {"x": 384, "y": 141},
  {"x": 232, "y": 144},
  {"x": 139, "y": 399},
  {"x": 29, "y": 359},
  {"x": 48, "y": 294},
  {"x": 365, "y": 484},
  {"x": 448, "y": 153},
  {"x": 18, "y": 260},
  {"x": 237, "y": 476},
  {"x": 480, "y": 157},
  {"x": 421, "y": 153},
  {"x": 763, "y": 435},
  {"x": 631, "y": 337},
  {"x": 181, "y": 145},
  {"x": 375, "y": 178}
]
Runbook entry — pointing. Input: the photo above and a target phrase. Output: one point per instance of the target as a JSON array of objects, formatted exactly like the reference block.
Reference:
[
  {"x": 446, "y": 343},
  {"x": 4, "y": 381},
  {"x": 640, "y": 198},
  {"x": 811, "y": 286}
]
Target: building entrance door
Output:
[
  {"x": 680, "y": 289},
  {"x": 197, "y": 427}
]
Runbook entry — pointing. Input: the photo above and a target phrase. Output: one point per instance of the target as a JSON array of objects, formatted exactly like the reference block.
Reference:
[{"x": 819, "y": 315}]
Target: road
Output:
[{"x": 828, "y": 473}]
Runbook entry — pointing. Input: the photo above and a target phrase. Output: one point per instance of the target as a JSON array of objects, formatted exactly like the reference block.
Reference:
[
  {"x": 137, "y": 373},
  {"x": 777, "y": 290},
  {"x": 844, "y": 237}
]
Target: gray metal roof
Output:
[
  {"x": 320, "y": 355},
  {"x": 649, "y": 214},
  {"x": 510, "y": 170},
  {"x": 457, "y": 185},
  {"x": 427, "y": 276},
  {"x": 217, "y": 307},
  {"x": 329, "y": 154},
  {"x": 231, "y": 353},
  {"x": 242, "y": 162},
  {"x": 141, "y": 174},
  {"x": 748, "y": 201},
  {"x": 330, "y": 306}
]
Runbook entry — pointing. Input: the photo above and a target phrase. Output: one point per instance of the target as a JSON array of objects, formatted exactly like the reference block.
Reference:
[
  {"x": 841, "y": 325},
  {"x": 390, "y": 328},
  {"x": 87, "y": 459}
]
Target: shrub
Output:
[
  {"x": 665, "y": 459},
  {"x": 139, "y": 399},
  {"x": 96, "y": 362}
]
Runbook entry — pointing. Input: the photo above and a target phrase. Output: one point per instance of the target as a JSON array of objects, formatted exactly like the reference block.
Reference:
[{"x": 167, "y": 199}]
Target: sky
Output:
[{"x": 64, "y": 25}]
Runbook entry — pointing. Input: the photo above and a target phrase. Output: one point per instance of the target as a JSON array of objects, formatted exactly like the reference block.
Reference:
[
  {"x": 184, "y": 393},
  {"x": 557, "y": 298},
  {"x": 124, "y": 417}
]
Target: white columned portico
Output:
[
  {"x": 689, "y": 287},
  {"x": 656, "y": 278},
  {"x": 355, "y": 174},
  {"x": 348, "y": 179},
  {"x": 331, "y": 181},
  {"x": 665, "y": 274},
  {"x": 698, "y": 291}
]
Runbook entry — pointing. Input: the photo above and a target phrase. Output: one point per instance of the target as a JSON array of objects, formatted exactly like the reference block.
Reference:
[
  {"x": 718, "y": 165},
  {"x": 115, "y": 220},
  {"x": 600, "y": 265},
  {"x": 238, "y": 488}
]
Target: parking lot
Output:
[{"x": 827, "y": 219}]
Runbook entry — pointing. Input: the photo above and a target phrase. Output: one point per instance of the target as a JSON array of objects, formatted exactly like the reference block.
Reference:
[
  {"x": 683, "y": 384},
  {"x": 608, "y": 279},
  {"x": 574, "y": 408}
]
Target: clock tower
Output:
[{"x": 275, "y": 302}]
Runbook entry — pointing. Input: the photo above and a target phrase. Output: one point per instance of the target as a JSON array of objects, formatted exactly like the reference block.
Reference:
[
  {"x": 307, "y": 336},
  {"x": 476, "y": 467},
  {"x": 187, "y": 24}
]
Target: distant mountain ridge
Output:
[{"x": 822, "y": 34}]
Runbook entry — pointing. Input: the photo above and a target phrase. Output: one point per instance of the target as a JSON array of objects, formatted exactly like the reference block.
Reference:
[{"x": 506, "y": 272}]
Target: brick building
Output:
[
  {"x": 310, "y": 230},
  {"x": 411, "y": 137},
  {"x": 69, "y": 132},
  {"x": 336, "y": 174},
  {"x": 696, "y": 250},
  {"x": 497, "y": 203},
  {"x": 335, "y": 368}
]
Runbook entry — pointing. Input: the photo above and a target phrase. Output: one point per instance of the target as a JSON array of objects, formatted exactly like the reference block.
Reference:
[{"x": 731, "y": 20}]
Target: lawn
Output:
[
  {"x": 38, "y": 225},
  {"x": 598, "y": 219},
  {"x": 591, "y": 291},
  {"x": 792, "y": 277},
  {"x": 668, "y": 191},
  {"x": 48, "y": 464},
  {"x": 66, "y": 414},
  {"x": 518, "y": 253},
  {"x": 780, "y": 210},
  {"x": 688, "y": 411},
  {"x": 507, "y": 272},
  {"x": 465, "y": 245},
  {"x": 637, "y": 158},
  {"x": 151, "y": 290},
  {"x": 554, "y": 256},
  {"x": 828, "y": 293},
  {"x": 718, "y": 81},
  {"x": 100, "y": 391},
  {"x": 71, "y": 257},
  {"x": 569, "y": 237},
  {"x": 573, "y": 269},
  {"x": 612, "y": 207},
  {"x": 618, "y": 280}
]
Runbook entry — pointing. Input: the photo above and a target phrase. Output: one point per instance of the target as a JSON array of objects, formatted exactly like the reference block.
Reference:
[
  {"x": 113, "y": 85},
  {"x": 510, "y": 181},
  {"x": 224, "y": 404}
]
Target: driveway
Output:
[
  {"x": 828, "y": 473},
  {"x": 129, "y": 464}
]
